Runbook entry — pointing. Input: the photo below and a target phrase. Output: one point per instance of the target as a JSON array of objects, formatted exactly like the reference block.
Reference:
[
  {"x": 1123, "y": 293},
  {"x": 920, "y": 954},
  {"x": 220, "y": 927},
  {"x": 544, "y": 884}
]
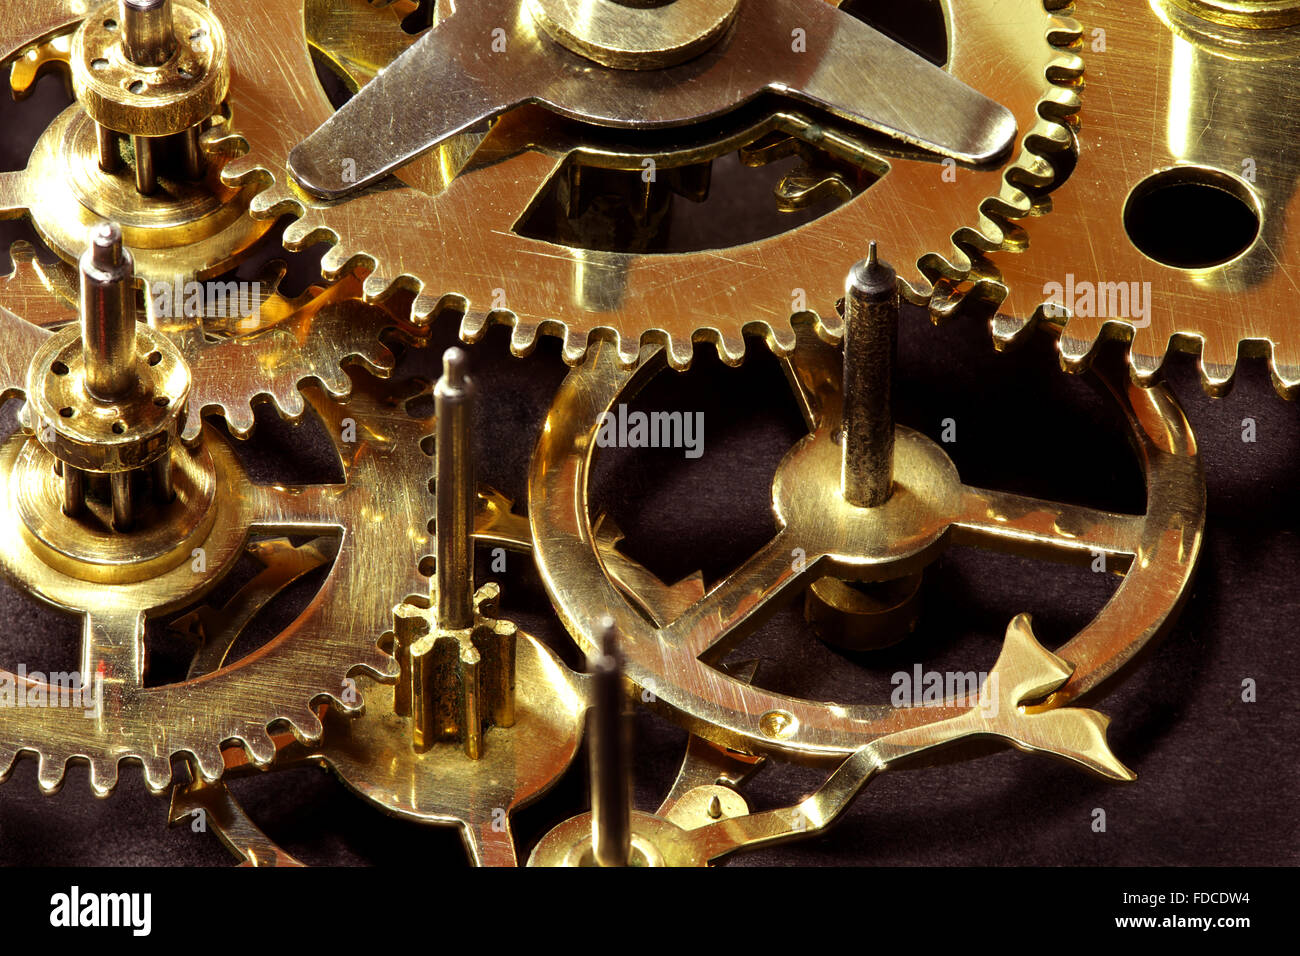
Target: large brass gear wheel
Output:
[
  {"x": 1177, "y": 228},
  {"x": 470, "y": 193},
  {"x": 117, "y": 581},
  {"x": 674, "y": 657}
]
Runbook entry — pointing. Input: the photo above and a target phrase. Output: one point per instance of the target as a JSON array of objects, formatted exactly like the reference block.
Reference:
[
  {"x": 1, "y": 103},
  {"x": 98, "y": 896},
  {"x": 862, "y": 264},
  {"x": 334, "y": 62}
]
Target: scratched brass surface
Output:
[
  {"x": 929, "y": 510},
  {"x": 468, "y": 213},
  {"x": 1190, "y": 100}
]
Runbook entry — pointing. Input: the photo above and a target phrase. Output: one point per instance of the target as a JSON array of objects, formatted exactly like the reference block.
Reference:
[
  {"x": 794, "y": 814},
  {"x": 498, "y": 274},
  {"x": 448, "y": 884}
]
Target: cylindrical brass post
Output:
[
  {"x": 162, "y": 479},
  {"x": 123, "y": 508},
  {"x": 611, "y": 783},
  {"x": 191, "y": 154},
  {"x": 108, "y": 314},
  {"x": 146, "y": 175},
  {"x": 74, "y": 491},
  {"x": 110, "y": 160},
  {"x": 870, "y": 352},
  {"x": 454, "y": 475},
  {"x": 148, "y": 36}
]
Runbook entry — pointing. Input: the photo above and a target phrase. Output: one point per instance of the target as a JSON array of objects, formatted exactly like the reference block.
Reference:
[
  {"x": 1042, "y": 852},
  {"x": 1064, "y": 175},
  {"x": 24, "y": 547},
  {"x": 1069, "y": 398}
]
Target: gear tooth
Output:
[
  {"x": 1283, "y": 365},
  {"x": 781, "y": 337},
  {"x": 523, "y": 339},
  {"x": 50, "y": 772},
  {"x": 731, "y": 348},
  {"x": 375, "y": 663},
  {"x": 157, "y": 772},
  {"x": 334, "y": 261},
  {"x": 296, "y": 232},
  {"x": 306, "y": 726},
  {"x": 258, "y": 745},
  {"x": 208, "y": 762},
  {"x": 680, "y": 353},
  {"x": 1063, "y": 30},
  {"x": 375, "y": 285},
  {"x": 238, "y": 169},
  {"x": 1007, "y": 330},
  {"x": 1076, "y": 352},
  {"x": 103, "y": 776},
  {"x": 332, "y": 378},
  {"x": 1071, "y": 65},
  {"x": 472, "y": 326},
  {"x": 262, "y": 205},
  {"x": 946, "y": 299},
  {"x": 1145, "y": 368},
  {"x": 918, "y": 290},
  {"x": 410, "y": 623},
  {"x": 239, "y": 419},
  {"x": 290, "y": 401},
  {"x": 348, "y": 708},
  {"x": 1217, "y": 364}
]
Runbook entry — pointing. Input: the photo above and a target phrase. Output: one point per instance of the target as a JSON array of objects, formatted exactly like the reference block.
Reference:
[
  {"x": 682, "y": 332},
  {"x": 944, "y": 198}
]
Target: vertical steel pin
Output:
[
  {"x": 608, "y": 733},
  {"x": 454, "y": 488},
  {"x": 870, "y": 352},
  {"x": 108, "y": 314},
  {"x": 148, "y": 36}
]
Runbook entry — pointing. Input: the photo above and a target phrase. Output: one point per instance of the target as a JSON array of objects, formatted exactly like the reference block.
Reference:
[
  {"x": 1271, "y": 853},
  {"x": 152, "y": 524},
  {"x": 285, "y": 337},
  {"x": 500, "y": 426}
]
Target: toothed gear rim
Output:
[
  {"x": 284, "y": 344},
  {"x": 1175, "y": 101},
  {"x": 380, "y": 513},
  {"x": 469, "y": 258}
]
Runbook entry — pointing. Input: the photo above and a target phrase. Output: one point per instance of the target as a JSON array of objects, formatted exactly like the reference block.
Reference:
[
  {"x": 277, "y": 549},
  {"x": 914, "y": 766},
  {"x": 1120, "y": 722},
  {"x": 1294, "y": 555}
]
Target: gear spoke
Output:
[
  {"x": 344, "y": 154},
  {"x": 1045, "y": 529},
  {"x": 18, "y": 343},
  {"x": 298, "y": 509},
  {"x": 739, "y": 603}
]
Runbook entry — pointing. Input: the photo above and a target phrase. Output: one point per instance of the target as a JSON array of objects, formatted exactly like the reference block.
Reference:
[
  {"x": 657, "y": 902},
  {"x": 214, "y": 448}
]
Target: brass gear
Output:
[
  {"x": 674, "y": 657},
  {"x": 281, "y": 345},
  {"x": 1187, "y": 129},
  {"x": 194, "y": 230},
  {"x": 1019, "y": 54},
  {"x": 379, "y": 514}
]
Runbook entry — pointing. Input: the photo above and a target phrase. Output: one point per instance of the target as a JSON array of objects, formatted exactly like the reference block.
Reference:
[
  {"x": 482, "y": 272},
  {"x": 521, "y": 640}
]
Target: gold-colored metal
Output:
[
  {"x": 455, "y": 680},
  {"x": 238, "y": 360},
  {"x": 159, "y": 566},
  {"x": 1252, "y": 14},
  {"x": 1176, "y": 230},
  {"x": 1007, "y": 708},
  {"x": 820, "y": 534},
  {"x": 867, "y": 387},
  {"x": 634, "y": 36},
  {"x": 475, "y": 257},
  {"x": 128, "y": 150},
  {"x": 899, "y": 94},
  {"x": 107, "y": 401},
  {"x": 858, "y": 617},
  {"x": 442, "y": 784},
  {"x": 609, "y": 743},
  {"x": 150, "y": 70}
]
